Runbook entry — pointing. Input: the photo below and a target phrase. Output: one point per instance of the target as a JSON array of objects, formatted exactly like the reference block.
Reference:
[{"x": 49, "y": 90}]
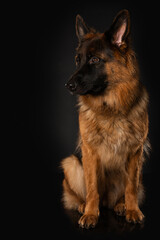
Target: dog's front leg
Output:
[
  {"x": 91, "y": 213},
  {"x": 133, "y": 213}
]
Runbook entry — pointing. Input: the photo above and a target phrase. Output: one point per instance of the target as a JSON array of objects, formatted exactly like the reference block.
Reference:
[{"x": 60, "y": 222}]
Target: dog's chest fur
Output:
[{"x": 112, "y": 136}]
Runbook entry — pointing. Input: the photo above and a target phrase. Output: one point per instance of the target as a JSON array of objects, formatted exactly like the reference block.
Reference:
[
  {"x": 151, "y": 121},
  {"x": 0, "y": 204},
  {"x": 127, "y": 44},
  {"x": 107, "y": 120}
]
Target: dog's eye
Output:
[
  {"x": 93, "y": 60},
  {"x": 77, "y": 59}
]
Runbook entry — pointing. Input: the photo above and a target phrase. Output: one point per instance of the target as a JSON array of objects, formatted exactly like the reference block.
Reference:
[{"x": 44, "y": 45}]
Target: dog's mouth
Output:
[{"x": 75, "y": 90}]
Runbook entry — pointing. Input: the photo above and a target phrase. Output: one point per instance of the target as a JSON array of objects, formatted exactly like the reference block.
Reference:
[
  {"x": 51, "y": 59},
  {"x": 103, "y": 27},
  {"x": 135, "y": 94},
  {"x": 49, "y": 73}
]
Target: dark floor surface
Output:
[{"x": 44, "y": 215}]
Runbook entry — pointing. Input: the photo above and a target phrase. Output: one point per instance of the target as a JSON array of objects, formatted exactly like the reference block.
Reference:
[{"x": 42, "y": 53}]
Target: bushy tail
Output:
[{"x": 73, "y": 184}]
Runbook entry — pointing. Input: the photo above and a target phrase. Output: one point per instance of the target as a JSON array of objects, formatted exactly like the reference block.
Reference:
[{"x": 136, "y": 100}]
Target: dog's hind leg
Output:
[
  {"x": 120, "y": 207},
  {"x": 74, "y": 192}
]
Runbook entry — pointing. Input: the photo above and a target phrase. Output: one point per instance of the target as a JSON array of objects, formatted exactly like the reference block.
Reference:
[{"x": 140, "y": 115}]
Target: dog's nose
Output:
[{"x": 71, "y": 86}]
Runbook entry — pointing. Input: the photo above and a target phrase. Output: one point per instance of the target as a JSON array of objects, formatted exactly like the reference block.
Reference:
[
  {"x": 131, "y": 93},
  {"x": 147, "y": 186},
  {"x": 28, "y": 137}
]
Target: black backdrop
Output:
[{"x": 45, "y": 114}]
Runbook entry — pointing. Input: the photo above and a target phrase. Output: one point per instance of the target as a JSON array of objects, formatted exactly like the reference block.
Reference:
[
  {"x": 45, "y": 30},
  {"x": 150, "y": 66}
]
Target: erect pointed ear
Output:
[
  {"x": 81, "y": 28},
  {"x": 120, "y": 28}
]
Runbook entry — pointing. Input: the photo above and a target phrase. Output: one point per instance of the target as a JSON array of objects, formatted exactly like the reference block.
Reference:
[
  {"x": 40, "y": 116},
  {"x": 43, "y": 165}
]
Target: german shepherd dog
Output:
[{"x": 113, "y": 123}]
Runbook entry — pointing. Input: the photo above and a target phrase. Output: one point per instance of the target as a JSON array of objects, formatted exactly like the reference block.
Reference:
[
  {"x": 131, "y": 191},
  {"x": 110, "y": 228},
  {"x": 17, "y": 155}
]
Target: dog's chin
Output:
[{"x": 79, "y": 91}]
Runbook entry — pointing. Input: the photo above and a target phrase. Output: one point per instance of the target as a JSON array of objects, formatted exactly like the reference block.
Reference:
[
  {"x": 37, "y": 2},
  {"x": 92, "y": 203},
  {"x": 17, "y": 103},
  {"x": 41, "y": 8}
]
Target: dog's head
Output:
[{"x": 97, "y": 53}]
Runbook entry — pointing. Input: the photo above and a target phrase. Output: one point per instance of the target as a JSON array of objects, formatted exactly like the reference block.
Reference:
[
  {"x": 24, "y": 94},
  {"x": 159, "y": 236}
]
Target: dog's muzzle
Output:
[{"x": 73, "y": 84}]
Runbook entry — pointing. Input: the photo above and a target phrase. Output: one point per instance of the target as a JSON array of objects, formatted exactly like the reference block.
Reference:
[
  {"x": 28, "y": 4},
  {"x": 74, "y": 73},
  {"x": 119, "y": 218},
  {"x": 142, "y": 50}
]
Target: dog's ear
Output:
[
  {"x": 119, "y": 31},
  {"x": 81, "y": 28}
]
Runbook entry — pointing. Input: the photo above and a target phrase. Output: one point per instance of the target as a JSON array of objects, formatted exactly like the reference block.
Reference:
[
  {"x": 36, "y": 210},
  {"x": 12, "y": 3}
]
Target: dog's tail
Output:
[{"x": 74, "y": 193}]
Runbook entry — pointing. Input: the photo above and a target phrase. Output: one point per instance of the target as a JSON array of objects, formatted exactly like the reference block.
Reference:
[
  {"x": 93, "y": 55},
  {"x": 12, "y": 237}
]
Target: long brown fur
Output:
[{"x": 113, "y": 137}]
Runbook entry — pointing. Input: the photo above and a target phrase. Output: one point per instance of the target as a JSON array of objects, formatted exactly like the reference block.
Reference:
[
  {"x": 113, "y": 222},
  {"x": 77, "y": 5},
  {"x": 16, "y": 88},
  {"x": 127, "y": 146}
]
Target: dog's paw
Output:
[
  {"x": 88, "y": 221},
  {"x": 120, "y": 209},
  {"x": 134, "y": 216}
]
